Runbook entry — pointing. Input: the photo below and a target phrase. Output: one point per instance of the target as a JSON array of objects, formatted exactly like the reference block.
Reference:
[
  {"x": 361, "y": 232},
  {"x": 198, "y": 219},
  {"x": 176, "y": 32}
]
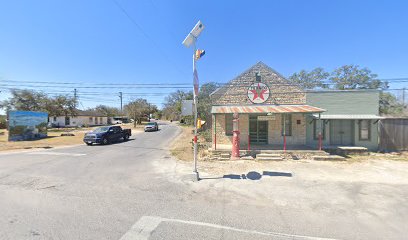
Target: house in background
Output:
[
  {"x": 273, "y": 113},
  {"x": 81, "y": 118}
]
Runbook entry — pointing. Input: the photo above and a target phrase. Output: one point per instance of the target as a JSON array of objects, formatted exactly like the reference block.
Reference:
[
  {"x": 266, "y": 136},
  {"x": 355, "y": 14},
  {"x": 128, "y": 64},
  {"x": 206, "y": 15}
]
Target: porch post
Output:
[
  {"x": 320, "y": 134},
  {"x": 284, "y": 132},
  {"x": 215, "y": 132},
  {"x": 249, "y": 142},
  {"x": 235, "y": 137}
]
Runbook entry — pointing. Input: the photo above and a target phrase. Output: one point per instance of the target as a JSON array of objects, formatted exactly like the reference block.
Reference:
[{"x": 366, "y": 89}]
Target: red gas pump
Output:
[{"x": 235, "y": 137}]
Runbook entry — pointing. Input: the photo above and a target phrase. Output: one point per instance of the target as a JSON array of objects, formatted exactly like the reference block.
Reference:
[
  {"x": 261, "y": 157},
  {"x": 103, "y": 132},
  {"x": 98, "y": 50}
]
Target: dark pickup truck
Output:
[{"x": 106, "y": 135}]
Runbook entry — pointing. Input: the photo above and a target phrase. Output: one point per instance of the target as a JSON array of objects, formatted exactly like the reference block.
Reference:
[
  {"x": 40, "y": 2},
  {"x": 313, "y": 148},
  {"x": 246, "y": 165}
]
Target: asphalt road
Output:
[{"x": 123, "y": 191}]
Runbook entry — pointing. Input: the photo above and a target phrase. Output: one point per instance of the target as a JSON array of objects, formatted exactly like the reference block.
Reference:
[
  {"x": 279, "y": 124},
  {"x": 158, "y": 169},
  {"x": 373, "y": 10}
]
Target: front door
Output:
[
  {"x": 67, "y": 121},
  {"x": 258, "y": 130},
  {"x": 341, "y": 132}
]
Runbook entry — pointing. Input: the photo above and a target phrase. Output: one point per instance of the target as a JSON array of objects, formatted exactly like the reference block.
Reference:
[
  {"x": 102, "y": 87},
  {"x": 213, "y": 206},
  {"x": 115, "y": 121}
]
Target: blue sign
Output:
[{"x": 27, "y": 125}]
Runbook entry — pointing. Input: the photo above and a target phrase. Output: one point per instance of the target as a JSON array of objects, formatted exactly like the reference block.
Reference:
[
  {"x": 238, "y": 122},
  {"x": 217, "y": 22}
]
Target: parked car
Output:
[
  {"x": 106, "y": 135},
  {"x": 151, "y": 126}
]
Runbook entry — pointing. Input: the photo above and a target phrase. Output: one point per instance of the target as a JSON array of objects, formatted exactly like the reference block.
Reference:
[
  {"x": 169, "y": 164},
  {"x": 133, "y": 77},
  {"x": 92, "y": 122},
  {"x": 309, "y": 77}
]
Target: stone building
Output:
[{"x": 274, "y": 114}]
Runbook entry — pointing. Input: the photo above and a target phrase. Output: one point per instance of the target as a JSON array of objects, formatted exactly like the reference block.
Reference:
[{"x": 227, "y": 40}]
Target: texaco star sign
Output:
[{"x": 258, "y": 92}]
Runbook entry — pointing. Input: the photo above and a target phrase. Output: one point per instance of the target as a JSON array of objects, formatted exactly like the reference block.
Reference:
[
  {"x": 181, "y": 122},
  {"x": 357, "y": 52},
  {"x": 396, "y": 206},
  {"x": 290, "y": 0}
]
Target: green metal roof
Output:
[{"x": 347, "y": 116}]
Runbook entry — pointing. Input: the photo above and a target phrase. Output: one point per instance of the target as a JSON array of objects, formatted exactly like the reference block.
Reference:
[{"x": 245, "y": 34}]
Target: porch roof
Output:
[
  {"x": 348, "y": 116},
  {"x": 266, "y": 109}
]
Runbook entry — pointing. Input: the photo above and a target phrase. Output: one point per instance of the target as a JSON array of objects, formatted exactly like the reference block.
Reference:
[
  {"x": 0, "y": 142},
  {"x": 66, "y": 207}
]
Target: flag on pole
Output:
[{"x": 198, "y": 54}]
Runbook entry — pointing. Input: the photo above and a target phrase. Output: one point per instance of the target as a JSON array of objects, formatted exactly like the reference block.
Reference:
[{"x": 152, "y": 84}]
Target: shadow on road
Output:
[
  {"x": 115, "y": 142},
  {"x": 253, "y": 175}
]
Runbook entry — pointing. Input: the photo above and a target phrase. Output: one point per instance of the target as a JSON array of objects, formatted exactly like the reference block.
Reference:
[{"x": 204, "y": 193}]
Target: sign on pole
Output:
[{"x": 187, "y": 108}]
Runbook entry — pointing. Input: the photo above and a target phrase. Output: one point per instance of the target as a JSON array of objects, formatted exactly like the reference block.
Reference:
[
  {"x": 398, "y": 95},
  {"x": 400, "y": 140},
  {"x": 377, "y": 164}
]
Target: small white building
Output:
[{"x": 81, "y": 119}]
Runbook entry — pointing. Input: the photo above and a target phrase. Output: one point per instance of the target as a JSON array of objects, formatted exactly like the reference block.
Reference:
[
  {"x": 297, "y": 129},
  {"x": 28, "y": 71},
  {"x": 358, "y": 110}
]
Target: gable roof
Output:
[
  {"x": 86, "y": 113},
  {"x": 258, "y": 65},
  {"x": 89, "y": 113},
  {"x": 282, "y": 91}
]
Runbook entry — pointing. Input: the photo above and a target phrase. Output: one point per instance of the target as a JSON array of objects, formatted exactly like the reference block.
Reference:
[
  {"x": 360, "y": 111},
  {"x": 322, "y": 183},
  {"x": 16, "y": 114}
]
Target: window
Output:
[
  {"x": 364, "y": 129},
  {"x": 228, "y": 124},
  {"x": 258, "y": 76},
  {"x": 55, "y": 119},
  {"x": 96, "y": 120},
  {"x": 90, "y": 119},
  {"x": 316, "y": 128},
  {"x": 287, "y": 124},
  {"x": 100, "y": 120}
]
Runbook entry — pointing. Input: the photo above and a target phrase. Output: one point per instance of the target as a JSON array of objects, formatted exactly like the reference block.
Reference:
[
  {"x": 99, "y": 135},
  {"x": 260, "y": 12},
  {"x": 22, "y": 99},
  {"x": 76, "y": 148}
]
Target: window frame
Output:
[
  {"x": 289, "y": 117},
  {"x": 229, "y": 133},
  {"x": 368, "y": 129}
]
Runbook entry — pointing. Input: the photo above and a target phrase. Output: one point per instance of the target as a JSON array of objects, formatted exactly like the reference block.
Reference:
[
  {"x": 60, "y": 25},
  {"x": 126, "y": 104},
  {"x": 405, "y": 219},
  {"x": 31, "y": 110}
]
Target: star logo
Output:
[{"x": 258, "y": 92}]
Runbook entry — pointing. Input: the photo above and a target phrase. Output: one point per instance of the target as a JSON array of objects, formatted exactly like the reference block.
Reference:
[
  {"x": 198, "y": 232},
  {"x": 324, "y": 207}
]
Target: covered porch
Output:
[
  {"x": 262, "y": 127},
  {"x": 339, "y": 131}
]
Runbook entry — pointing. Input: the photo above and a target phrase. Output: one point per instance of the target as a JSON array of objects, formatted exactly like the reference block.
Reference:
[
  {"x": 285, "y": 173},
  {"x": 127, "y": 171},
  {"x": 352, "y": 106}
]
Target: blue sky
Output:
[{"x": 94, "y": 42}]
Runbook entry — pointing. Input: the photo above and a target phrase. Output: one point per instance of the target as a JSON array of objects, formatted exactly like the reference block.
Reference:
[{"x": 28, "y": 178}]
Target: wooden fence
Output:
[{"x": 393, "y": 134}]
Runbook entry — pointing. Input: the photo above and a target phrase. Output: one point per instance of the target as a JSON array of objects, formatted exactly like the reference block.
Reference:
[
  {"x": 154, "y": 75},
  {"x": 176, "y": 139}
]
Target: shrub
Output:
[
  {"x": 206, "y": 135},
  {"x": 3, "y": 124}
]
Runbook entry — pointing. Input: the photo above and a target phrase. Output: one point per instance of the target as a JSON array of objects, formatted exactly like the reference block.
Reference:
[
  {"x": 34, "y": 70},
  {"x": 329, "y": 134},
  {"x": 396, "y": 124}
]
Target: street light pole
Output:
[
  {"x": 195, "y": 171},
  {"x": 191, "y": 39}
]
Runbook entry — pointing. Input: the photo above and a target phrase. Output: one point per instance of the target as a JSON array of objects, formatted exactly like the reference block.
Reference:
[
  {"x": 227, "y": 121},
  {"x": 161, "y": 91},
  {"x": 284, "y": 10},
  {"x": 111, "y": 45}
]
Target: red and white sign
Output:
[{"x": 258, "y": 92}]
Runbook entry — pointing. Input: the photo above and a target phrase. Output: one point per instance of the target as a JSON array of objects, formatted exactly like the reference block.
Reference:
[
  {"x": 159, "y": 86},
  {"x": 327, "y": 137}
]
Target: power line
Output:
[
  {"x": 390, "y": 80},
  {"x": 138, "y": 26},
  {"x": 91, "y": 87},
  {"x": 96, "y": 94},
  {"x": 102, "y": 84}
]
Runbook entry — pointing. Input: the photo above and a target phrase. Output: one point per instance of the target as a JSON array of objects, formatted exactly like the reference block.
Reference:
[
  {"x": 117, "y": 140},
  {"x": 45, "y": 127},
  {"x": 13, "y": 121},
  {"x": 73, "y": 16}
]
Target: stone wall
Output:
[
  {"x": 274, "y": 130},
  {"x": 219, "y": 129},
  {"x": 281, "y": 92},
  {"x": 298, "y": 136}
]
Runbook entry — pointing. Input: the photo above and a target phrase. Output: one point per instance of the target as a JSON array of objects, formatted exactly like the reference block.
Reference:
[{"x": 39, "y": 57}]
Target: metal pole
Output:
[
  {"x": 284, "y": 132},
  {"x": 195, "y": 116},
  {"x": 121, "y": 106},
  {"x": 249, "y": 142},
  {"x": 75, "y": 96},
  {"x": 215, "y": 132},
  {"x": 320, "y": 133}
]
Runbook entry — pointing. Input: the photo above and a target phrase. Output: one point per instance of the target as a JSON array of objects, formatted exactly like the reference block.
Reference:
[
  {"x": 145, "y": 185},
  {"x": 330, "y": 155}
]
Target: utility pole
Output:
[
  {"x": 121, "y": 106},
  {"x": 75, "y": 96}
]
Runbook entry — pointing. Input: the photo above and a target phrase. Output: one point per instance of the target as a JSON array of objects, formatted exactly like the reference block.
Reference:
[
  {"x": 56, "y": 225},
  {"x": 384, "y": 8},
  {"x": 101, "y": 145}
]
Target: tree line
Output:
[
  {"x": 349, "y": 77},
  {"x": 65, "y": 105}
]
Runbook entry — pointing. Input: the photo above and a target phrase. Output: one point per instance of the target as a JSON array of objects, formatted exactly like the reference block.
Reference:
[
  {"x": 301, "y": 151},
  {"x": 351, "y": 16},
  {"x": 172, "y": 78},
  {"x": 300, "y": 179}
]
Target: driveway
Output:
[{"x": 135, "y": 190}]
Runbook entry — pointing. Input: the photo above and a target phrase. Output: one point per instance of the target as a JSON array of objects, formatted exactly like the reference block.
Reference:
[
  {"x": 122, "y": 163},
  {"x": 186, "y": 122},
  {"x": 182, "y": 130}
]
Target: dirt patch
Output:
[
  {"x": 54, "y": 139},
  {"x": 182, "y": 146},
  {"x": 395, "y": 156}
]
